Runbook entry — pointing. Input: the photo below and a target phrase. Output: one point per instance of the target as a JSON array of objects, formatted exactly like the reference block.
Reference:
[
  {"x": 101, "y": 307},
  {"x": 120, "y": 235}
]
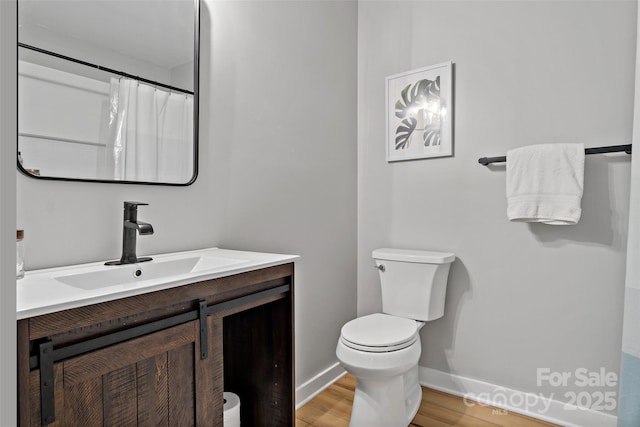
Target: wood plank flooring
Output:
[{"x": 332, "y": 408}]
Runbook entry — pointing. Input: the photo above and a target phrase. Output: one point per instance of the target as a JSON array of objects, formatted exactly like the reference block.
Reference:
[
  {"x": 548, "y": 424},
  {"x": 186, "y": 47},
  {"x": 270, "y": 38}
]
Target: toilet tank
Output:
[{"x": 414, "y": 283}]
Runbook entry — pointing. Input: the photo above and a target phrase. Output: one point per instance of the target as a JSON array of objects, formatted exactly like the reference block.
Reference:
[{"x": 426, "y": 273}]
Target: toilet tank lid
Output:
[{"x": 408, "y": 255}]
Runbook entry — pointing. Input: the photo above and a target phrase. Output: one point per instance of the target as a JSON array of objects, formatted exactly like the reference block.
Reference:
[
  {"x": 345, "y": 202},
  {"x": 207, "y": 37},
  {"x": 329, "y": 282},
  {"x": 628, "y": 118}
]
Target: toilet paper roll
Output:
[{"x": 231, "y": 410}]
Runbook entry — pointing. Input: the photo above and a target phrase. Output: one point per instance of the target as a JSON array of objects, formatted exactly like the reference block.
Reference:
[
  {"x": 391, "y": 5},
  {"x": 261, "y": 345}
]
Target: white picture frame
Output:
[{"x": 419, "y": 109}]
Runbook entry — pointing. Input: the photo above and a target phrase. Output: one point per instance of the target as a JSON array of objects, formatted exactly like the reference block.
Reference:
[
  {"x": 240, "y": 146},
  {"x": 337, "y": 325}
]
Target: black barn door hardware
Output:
[{"x": 46, "y": 355}]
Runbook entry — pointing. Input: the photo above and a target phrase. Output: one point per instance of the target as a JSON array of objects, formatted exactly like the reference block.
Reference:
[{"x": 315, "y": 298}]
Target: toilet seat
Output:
[{"x": 377, "y": 333}]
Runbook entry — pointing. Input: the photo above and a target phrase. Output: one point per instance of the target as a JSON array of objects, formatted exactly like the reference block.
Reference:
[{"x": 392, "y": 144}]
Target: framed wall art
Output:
[{"x": 419, "y": 110}]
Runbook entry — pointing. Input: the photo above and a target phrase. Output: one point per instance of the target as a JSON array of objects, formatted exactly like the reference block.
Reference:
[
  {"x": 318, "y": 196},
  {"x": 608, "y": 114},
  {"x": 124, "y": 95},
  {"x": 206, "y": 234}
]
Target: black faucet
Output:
[{"x": 130, "y": 226}]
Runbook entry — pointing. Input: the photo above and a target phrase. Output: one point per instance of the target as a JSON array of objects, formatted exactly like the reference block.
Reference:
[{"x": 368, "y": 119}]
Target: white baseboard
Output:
[
  {"x": 307, "y": 391},
  {"x": 529, "y": 404}
]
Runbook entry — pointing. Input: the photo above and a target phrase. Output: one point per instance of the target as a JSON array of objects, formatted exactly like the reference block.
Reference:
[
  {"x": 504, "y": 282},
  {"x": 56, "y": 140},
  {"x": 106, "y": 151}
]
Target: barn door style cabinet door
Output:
[
  {"x": 164, "y": 358},
  {"x": 144, "y": 381}
]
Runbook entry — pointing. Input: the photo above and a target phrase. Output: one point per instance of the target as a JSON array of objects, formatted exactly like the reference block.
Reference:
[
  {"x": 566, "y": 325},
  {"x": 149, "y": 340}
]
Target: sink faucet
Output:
[{"x": 130, "y": 227}]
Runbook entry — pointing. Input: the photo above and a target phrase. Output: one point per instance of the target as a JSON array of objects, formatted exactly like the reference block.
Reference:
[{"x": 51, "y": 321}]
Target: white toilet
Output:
[{"x": 382, "y": 350}]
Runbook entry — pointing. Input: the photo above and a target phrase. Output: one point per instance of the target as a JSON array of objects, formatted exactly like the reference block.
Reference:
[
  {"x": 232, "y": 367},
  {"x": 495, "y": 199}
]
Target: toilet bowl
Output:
[
  {"x": 382, "y": 350},
  {"x": 385, "y": 362}
]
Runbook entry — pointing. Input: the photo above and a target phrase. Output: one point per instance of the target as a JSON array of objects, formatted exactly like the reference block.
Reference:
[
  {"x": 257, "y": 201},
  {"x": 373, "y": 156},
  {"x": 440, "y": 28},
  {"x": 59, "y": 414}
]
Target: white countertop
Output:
[{"x": 61, "y": 288}]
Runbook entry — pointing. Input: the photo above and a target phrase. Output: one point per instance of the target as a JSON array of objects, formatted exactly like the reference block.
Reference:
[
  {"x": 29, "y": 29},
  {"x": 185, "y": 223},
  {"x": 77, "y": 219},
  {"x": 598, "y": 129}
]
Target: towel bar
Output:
[{"x": 596, "y": 150}]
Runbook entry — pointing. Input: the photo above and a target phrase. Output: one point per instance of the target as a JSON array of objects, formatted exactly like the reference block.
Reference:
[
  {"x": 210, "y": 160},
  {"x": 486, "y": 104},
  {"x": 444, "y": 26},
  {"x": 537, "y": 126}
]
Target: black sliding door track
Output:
[{"x": 281, "y": 286}]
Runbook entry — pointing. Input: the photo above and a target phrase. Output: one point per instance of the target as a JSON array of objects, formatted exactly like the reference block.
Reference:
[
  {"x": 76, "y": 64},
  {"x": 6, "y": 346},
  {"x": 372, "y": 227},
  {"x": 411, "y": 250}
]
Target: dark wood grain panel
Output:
[
  {"x": 217, "y": 357},
  {"x": 153, "y": 391},
  {"x": 205, "y": 380},
  {"x": 264, "y": 383},
  {"x": 181, "y": 386},
  {"x": 252, "y": 304},
  {"x": 24, "y": 382},
  {"x": 216, "y": 290},
  {"x": 122, "y": 323},
  {"x": 83, "y": 404},
  {"x": 120, "y": 397},
  {"x": 291, "y": 339},
  {"x": 34, "y": 391},
  {"x": 117, "y": 356},
  {"x": 281, "y": 389}
]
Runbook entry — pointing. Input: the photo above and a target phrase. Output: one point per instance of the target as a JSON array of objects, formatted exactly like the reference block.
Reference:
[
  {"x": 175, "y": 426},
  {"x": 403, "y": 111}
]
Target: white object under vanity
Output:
[{"x": 158, "y": 341}]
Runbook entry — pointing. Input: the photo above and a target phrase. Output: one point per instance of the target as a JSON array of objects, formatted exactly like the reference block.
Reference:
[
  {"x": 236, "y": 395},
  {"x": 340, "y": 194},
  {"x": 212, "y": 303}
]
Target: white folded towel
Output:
[{"x": 545, "y": 183}]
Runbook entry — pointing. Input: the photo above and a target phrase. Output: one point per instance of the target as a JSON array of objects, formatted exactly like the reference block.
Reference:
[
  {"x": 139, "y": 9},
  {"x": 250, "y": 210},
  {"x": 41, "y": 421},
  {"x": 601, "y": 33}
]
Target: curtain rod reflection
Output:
[{"x": 109, "y": 70}]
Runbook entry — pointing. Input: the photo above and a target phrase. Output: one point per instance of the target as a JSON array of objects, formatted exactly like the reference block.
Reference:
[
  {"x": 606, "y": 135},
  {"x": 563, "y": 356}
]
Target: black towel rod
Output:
[{"x": 595, "y": 150}]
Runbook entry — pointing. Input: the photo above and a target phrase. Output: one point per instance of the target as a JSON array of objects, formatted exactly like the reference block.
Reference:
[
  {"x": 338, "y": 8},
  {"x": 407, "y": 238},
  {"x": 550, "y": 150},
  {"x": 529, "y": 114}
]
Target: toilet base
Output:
[
  {"x": 388, "y": 393},
  {"x": 413, "y": 393},
  {"x": 376, "y": 402}
]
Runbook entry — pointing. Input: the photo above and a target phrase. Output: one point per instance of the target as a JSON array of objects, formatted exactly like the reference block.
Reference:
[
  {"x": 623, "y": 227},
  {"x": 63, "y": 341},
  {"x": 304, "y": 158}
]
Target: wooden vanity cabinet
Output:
[{"x": 139, "y": 360}]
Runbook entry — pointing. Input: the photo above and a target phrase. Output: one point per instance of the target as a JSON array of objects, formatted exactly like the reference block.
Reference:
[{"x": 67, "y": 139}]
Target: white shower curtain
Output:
[
  {"x": 150, "y": 133},
  {"x": 629, "y": 397}
]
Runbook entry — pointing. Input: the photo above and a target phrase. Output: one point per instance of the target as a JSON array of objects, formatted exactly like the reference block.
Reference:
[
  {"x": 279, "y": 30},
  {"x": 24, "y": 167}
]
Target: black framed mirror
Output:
[{"x": 108, "y": 90}]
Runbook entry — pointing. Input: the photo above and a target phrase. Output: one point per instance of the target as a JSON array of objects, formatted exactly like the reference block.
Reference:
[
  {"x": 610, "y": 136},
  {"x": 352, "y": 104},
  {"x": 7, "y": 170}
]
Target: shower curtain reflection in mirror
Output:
[{"x": 150, "y": 133}]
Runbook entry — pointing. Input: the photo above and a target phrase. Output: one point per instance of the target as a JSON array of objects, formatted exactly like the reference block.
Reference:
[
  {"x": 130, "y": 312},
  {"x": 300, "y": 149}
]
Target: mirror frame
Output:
[{"x": 196, "y": 119}]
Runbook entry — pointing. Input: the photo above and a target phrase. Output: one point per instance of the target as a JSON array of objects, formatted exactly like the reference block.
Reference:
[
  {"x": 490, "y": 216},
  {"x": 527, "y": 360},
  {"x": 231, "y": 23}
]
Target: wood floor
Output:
[{"x": 332, "y": 408}]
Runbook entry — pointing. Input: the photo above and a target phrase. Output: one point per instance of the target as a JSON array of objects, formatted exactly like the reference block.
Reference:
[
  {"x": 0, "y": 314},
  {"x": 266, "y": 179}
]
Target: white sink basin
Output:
[
  {"x": 151, "y": 270},
  {"x": 54, "y": 289}
]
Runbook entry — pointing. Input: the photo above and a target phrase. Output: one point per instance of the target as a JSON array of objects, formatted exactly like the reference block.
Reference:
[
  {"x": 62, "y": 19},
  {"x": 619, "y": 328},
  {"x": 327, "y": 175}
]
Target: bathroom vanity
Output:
[{"x": 159, "y": 349}]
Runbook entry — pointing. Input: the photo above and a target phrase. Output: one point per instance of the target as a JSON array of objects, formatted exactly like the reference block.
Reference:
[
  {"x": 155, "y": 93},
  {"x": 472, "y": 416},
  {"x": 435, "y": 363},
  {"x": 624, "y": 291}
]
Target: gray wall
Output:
[
  {"x": 8, "y": 137},
  {"x": 520, "y": 296},
  {"x": 288, "y": 128},
  {"x": 277, "y": 165}
]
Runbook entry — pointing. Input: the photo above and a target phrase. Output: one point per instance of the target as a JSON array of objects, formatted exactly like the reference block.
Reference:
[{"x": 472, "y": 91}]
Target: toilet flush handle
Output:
[{"x": 380, "y": 267}]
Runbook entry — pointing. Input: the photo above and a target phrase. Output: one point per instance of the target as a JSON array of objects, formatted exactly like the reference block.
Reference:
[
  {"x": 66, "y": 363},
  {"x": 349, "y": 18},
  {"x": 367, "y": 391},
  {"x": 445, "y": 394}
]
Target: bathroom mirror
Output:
[{"x": 108, "y": 90}]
